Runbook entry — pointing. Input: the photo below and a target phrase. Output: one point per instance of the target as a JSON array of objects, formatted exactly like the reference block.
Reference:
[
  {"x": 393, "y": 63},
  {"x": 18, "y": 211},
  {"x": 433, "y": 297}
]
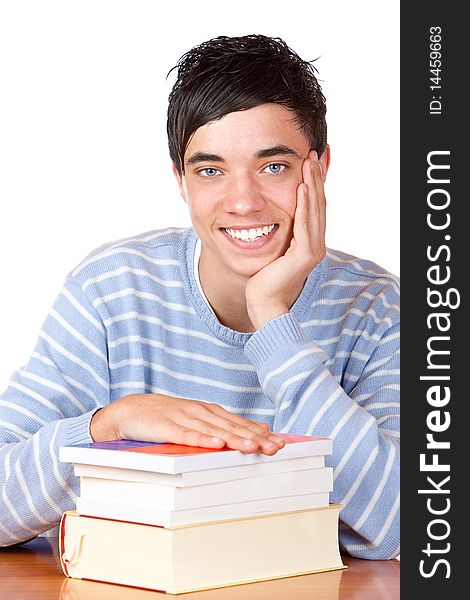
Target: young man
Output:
[{"x": 227, "y": 332}]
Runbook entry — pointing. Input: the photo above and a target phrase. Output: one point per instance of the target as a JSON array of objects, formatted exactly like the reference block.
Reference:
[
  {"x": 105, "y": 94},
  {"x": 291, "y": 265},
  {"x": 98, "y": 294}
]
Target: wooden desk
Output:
[{"x": 33, "y": 571}]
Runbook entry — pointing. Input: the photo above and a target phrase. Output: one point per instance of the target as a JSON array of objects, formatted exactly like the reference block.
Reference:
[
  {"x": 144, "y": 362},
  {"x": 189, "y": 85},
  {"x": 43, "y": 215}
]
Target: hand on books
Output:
[
  {"x": 160, "y": 418},
  {"x": 273, "y": 290}
]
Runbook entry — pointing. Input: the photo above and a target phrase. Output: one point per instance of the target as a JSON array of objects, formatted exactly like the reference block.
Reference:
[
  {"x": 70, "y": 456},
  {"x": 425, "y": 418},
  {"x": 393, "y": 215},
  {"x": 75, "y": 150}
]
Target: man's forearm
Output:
[
  {"x": 309, "y": 400},
  {"x": 35, "y": 488}
]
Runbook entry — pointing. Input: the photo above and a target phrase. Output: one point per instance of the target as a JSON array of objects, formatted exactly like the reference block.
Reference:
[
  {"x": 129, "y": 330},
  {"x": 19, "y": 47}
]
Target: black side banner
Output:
[{"x": 434, "y": 341}]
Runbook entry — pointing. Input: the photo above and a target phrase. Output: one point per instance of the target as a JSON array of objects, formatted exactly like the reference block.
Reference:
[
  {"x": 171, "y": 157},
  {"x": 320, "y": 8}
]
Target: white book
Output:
[
  {"x": 295, "y": 483},
  {"x": 174, "y": 458},
  {"x": 152, "y": 515},
  {"x": 191, "y": 478}
]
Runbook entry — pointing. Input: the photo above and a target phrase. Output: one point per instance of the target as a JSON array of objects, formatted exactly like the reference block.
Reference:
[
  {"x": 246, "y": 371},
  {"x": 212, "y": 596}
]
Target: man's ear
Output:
[
  {"x": 325, "y": 161},
  {"x": 179, "y": 180}
]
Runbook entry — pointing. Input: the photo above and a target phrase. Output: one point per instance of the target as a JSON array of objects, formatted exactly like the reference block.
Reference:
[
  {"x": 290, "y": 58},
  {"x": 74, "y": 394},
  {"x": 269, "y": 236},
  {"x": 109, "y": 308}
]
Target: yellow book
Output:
[{"x": 203, "y": 555}]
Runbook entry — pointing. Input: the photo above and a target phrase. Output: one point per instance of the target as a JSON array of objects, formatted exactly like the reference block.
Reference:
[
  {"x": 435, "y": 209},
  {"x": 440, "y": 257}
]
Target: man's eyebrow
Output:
[
  {"x": 199, "y": 157},
  {"x": 279, "y": 150}
]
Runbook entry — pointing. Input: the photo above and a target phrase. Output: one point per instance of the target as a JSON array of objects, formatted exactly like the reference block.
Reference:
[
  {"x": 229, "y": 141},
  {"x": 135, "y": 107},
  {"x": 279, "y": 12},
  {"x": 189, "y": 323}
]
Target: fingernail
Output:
[
  {"x": 248, "y": 442},
  {"x": 216, "y": 440}
]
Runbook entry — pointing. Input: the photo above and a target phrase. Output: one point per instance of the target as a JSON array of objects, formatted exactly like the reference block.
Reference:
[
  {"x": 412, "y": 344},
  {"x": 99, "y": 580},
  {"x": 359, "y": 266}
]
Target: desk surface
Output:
[{"x": 33, "y": 571}]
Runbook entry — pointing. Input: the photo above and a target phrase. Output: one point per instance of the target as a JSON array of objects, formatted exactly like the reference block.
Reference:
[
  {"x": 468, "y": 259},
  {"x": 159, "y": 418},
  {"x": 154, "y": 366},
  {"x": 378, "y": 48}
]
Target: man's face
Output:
[{"x": 240, "y": 183}]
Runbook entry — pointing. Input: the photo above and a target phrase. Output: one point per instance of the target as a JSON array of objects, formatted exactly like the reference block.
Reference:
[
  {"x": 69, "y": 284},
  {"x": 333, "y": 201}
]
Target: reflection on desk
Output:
[
  {"x": 326, "y": 588},
  {"x": 33, "y": 571}
]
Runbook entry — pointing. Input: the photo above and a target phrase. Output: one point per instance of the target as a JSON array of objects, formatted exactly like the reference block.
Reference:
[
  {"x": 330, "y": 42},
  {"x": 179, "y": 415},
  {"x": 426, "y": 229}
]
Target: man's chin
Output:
[{"x": 251, "y": 267}]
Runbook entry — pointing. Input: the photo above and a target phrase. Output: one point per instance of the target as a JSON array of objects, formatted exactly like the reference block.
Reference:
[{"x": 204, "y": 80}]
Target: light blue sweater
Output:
[{"x": 131, "y": 319}]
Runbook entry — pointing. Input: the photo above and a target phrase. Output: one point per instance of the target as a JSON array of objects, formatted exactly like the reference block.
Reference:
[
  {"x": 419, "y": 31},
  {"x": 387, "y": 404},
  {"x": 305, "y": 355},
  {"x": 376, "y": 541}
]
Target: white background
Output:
[{"x": 83, "y": 149}]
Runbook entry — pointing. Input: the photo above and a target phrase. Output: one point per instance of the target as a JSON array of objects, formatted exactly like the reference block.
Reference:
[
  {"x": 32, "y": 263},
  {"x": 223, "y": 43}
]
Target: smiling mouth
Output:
[{"x": 250, "y": 235}]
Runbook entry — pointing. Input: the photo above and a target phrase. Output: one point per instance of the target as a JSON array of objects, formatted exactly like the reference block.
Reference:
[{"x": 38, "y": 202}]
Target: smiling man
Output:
[{"x": 225, "y": 333}]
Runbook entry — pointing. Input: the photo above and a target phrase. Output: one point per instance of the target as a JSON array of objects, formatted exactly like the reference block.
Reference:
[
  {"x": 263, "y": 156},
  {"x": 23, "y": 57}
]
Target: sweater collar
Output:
[{"x": 234, "y": 338}]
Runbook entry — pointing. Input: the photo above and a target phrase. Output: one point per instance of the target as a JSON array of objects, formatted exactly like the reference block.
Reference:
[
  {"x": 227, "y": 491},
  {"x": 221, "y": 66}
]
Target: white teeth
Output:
[{"x": 250, "y": 234}]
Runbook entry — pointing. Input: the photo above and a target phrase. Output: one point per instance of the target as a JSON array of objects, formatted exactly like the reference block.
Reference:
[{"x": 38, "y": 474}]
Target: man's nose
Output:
[{"x": 243, "y": 195}]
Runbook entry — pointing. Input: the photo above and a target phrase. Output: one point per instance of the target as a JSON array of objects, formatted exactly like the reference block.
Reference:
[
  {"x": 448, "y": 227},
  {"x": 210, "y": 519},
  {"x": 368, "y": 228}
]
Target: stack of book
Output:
[{"x": 180, "y": 518}]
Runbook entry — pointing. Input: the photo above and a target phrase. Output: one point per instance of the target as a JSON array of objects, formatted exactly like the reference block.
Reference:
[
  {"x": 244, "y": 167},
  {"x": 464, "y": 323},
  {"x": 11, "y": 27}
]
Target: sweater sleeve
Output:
[
  {"x": 363, "y": 423},
  {"x": 49, "y": 403}
]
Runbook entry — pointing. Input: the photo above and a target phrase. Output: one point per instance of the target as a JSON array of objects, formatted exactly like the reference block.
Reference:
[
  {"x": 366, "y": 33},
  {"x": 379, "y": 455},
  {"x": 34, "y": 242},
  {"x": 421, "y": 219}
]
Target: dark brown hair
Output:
[{"x": 228, "y": 74}]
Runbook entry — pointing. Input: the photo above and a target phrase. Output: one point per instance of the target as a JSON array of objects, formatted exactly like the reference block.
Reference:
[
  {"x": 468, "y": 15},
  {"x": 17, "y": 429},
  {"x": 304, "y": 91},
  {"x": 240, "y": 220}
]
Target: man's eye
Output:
[
  {"x": 209, "y": 172},
  {"x": 275, "y": 168}
]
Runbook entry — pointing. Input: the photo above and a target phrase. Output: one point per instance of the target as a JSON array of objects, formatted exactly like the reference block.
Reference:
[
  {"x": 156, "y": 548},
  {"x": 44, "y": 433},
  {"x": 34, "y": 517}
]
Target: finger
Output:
[
  {"x": 309, "y": 174},
  {"x": 316, "y": 196},
  {"x": 317, "y": 176},
  {"x": 252, "y": 443},
  {"x": 230, "y": 431},
  {"x": 312, "y": 175},
  {"x": 176, "y": 433},
  {"x": 241, "y": 426},
  {"x": 302, "y": 227}
]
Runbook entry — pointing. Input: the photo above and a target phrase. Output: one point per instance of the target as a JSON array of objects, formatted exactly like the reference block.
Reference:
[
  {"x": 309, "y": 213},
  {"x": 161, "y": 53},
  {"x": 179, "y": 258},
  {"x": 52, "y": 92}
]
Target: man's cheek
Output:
[{"x": 287, "y": 205}]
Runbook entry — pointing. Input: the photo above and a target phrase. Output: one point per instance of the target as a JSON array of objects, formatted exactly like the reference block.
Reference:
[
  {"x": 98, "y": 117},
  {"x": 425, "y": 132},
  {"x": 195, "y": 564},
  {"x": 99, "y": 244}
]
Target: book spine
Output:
[{"x": 62, "y": 545}]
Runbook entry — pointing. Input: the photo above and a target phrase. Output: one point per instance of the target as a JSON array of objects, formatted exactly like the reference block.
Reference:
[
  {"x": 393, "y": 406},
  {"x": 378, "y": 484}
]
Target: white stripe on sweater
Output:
[
  {"x": 144, "y": 295},
  {"x": 137, "y": 385},
  {"x": 14, "y": 538},
  {"x": 173, "y": 328},
  {"x": 202, "y": 380},
  {"x": 73, "y": 358},
  {"x": 360, "y": 477},
  {"x": 77, "y": 335},
  {"x": 25, "y": 489},
  {"x": 336, "y": 301},
  {"x": 56, "y": 387},
  {"x": 386, "y": 526},
  {"x": 303, "y": 399},
  {"x": 372, "y": 366},
  {"x": 42, "y": 484},
  {"x": 288, "y": 363},
  {"x": 73, "y": 382},
  {"x": 358, "y": 282},
  {"x": 370, "y": 393},
  {"x": 36, "y": 396},
  {"x": 324, "y": 408},
  {"x": 140, "y": 239},
  {"x": 124, "y": 250},
  {"x": 23, "y": 411},
  {"x": 79, "y": 308},
  {"x": 14, "y": 514},
  {"x": 181, "y": 353},
  {"x": 378, "y": 492},
  {"x": 54, "y": 453},
  {"x": 132, "y": 271},
  {"x": 353, "y": 311},
  {"x": 285, "y": 385},
  {"x": 352, "y": 447}
]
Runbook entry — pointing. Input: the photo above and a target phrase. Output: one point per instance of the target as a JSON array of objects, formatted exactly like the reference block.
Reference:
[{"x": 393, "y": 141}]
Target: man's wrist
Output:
[
  {"x": 262, "y": 314},
  {"x": 101, "y": 426}
]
